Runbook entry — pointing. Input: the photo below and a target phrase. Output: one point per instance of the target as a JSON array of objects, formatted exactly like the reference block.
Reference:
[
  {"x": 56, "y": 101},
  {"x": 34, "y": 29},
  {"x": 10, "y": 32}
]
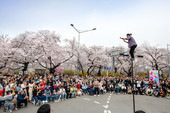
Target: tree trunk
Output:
[
  {"x": 25, "y": 67},
  {"x": 99, "y": 71}
]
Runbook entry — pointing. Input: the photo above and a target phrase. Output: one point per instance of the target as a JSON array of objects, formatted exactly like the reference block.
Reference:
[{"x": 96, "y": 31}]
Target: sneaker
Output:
[
  {"x": 56, "y": 100},
  {"x": 16, "y": 109},
  {"x": 46, "y": 101},
  {"x": 94, "y": 95},
  {"x": 10, "y": 111},
  {"x": 37, "y": 104},
  {"x": 98, "y": 95}
]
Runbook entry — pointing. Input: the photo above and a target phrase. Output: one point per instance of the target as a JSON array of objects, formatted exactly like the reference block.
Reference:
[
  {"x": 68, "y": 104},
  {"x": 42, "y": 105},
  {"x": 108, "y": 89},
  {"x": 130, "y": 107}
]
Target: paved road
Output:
[{"x": 108, "y": 103}]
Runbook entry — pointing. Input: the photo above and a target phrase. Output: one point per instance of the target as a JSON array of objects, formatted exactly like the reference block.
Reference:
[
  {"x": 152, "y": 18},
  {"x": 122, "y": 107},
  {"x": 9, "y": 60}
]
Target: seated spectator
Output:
[
  {"x": 8, "y": 106},
  {"x": 117, "y": 89},
  {"x": 68, "y": 92},
  {"x": 123, "y": 89},
  {"x": 90, "y": 89},
  {"x": 14, "y": 101},
  {"x": 156, "y": 93},
  {"x": 162, "y": 93},
  {"x": 135, "y": 90},
  {"x": 149, "y": 92},
  {"x": 129, "y": 89},
  {"x": 63, "y": 93},
  {"x": 56, "y": 95},
  {"x": 41, "y": 96},
  {"x": 84, "y": 88},
  {"x": 46, "y": 108},
  {"x": 73, "y": 91},
  {"x": 22, "y": 98},
  {"x": 79, "y": 92},
  {"x": 111, "y": 87},
  {"x": 141, "y": 91},
  {"x": 48, "y": 94}
]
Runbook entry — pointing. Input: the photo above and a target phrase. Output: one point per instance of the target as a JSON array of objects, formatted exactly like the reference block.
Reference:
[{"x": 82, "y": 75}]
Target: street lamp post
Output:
[
  {"x": 79, "y": 32},
  {"x": 168, "y": 60}
]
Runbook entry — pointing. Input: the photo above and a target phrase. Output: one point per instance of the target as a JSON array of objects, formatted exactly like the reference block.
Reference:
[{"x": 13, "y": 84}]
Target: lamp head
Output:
[
  {"x": 71, "y": 24},
  {"x": 94, "y": 29}
]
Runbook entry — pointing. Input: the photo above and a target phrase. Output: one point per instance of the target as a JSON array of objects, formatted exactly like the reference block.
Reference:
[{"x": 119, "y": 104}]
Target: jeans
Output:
[
  {"x": 73, "y": 94},
  {"x": 0, "y": 103},
  {"x": 36, "y": 99},
  {"x": 64, "y": 96},
  {"x": 84, "y": 91},
  {"x": 96, "y": 90},
  {"x": 9, "y": 105},
  {"x": 49, "y": 97},
  {"x": 42, "y": 98}
]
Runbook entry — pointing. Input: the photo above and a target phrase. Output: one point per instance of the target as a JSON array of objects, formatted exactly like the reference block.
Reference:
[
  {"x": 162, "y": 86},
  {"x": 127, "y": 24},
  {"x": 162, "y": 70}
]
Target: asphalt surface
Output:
[{"x": 107, "y": 103}]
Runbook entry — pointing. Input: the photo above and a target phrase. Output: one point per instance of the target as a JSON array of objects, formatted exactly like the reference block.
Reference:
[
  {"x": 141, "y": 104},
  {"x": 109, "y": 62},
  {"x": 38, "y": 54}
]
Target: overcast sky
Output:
[{"x": 147, "y": 20}]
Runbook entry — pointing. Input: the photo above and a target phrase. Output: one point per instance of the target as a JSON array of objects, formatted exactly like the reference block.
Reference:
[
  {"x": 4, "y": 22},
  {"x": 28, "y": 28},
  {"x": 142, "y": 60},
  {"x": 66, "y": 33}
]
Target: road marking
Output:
[
  {"x": 107, "y": 111},
  {"x": 96, "y": 102},
  {"x": 107, "y": 102},
  {"x": 86, "y": 99},
  {"x": 106, "y": 106},
  {"x": 108, "y": 99},
  {"x": 109, "y": 96}
]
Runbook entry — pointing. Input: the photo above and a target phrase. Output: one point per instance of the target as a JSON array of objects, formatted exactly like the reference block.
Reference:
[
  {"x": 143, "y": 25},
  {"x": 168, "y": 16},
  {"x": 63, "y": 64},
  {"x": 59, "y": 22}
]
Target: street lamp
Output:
[
  {"x": 79, "y": 31},
  {"x": 139, "y": 56},
  {"x": 168, "y": 59}
]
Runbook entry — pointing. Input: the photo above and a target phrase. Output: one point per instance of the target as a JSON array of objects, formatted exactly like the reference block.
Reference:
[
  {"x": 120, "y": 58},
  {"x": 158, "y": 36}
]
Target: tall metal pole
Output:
[
  {"x": 168, "y": 60},
  {"x": 113, "y": 64},
  {"x": 133, "y": 87}
]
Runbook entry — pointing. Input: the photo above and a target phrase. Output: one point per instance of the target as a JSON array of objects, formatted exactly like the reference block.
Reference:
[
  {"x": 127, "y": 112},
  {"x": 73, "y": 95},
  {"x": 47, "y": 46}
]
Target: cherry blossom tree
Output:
[
  {"x": 4, "y": 50},
  {"x": 53, "y": 52}
]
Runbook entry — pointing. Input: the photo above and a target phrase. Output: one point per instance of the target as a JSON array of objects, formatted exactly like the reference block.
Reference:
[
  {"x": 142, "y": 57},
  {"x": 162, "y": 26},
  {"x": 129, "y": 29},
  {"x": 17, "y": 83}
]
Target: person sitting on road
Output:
[
  {"x": 48, "y": 94},
  {"x": 162, "y": 93},
  {"x": 73, "y": 91},
  {"x": 129, "y": 89},
  {"x": 149, "y": 91},
  {"x": 46, "y": 108},
  {"x": 63, "y": 93},
  {"x": 96, "y": 87},
  {"x": 8, "y": 106}
]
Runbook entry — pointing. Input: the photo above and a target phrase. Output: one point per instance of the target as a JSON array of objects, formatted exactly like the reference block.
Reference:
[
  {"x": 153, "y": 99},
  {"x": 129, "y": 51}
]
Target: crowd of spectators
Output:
[{"x": 17, "y": 90}]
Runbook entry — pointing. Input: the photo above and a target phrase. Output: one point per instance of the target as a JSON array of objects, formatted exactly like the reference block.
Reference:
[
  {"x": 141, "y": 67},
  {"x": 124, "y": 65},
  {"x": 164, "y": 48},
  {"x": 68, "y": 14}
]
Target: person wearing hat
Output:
[{"x": 131, "y": 44}]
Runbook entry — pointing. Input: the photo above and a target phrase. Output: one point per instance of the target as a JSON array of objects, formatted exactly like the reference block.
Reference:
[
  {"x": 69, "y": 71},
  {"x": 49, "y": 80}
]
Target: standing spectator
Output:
[
  {"x": 96, "y": 87},
  {"x": 31, "y": 85}
]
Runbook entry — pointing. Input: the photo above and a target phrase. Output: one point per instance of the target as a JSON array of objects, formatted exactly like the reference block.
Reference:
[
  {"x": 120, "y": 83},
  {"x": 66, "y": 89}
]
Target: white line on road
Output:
[
  {"x": 107, "y": 111},
  {"x": 86, "y": 99},
  {"x": 107, "y": 102},
  {"x": 96, "y": 102},
  {"x": 109, "y": 96},
  {"x": 106, "y": 106},
  {"x": 108, "y": 99}
]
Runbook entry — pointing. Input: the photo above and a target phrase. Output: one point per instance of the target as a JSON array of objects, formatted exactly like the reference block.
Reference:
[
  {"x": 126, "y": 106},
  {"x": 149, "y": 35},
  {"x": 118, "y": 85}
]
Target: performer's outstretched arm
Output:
[{"x": 124, "y": 39}]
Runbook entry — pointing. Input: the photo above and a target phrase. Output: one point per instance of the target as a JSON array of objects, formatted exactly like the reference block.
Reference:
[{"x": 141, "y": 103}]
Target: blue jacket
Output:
[{"x": 20, "y": 97}]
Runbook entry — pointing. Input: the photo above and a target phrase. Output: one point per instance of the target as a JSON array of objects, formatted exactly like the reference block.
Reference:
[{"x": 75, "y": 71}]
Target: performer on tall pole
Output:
[{"x": 131, "y": 44}]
